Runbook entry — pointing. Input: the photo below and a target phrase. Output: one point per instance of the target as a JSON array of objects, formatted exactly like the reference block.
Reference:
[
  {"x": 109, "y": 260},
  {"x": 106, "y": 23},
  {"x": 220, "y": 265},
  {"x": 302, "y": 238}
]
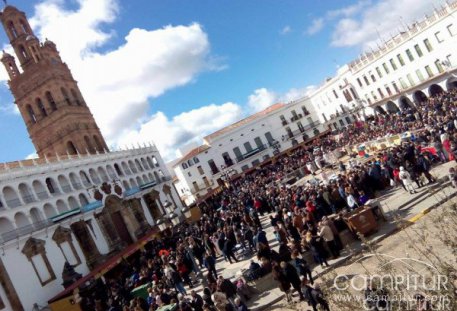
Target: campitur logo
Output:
[{"x": 403, "y": 284}]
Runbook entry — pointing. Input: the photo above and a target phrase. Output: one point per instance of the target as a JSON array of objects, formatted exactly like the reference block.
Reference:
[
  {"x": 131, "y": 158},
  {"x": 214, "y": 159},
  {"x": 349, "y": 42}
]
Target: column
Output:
[{"x": 146, "y": 212}]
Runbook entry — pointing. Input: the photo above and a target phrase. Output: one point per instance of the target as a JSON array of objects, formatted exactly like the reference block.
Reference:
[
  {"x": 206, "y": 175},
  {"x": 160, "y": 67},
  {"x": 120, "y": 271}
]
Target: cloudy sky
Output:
[{"x": 174, "y": 71}]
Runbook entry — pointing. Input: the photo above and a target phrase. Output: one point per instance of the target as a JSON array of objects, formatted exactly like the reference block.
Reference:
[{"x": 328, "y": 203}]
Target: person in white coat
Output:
[{"x": 406, "y": 179}]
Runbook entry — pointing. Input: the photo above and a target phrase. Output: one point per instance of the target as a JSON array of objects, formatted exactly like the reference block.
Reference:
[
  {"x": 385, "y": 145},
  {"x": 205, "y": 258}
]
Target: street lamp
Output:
[{"x": 162, "y": 224}]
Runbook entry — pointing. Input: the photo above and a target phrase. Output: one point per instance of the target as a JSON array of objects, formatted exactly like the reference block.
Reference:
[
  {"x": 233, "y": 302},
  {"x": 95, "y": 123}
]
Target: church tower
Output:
[{"x": 49, "y": 100}]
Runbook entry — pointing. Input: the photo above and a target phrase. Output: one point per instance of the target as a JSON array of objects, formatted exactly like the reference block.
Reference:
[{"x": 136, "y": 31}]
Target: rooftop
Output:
[
  {"x": 192, "y": 153},
  {"x": 244, "y": 121}
]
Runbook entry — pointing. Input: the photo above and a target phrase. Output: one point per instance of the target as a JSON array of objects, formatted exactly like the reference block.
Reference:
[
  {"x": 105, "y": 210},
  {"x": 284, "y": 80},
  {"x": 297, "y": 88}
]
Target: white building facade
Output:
[
  {"x": 244, "y": 145},
  {"x": 78, "y": 209},
  {"x": 408, "y": 68}
]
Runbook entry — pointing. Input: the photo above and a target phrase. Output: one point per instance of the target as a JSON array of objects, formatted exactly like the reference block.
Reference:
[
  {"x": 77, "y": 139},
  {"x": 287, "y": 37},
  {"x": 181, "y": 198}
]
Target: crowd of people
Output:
[{"x": 305, "y": 218}]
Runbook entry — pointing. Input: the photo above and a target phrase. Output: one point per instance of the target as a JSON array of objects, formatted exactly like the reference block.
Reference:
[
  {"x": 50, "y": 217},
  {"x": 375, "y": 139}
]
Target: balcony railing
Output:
[
  {"x": 42, "y": 195},
  {"x": 28, "y": 198},
  {"x": 13, "y": 202},
  {"x": 292, "y": 134},
  {"x": 251, "y": 153},
  {"x": 296, "y": 117},
  {"x": 16, "y": 233}
]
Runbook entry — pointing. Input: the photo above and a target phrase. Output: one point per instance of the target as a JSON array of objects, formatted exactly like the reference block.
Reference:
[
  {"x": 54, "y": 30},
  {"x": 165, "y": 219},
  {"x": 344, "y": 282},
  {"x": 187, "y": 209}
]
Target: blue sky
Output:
[{"x": 222, "y": 59}]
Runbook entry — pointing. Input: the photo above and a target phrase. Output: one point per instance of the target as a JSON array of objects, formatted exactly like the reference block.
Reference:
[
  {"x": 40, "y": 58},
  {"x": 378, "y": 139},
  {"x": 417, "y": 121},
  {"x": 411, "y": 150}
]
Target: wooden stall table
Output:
[{"x": 362, "y": 220}]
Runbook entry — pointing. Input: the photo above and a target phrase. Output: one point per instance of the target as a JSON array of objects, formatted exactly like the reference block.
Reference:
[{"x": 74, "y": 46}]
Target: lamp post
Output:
[{"x": 186, "y": 212}]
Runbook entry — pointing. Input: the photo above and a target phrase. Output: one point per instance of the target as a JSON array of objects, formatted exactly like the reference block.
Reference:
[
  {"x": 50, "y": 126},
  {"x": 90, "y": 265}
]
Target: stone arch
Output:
[
  {"x": 75, "y": 183},
  {"x": 36, "y": 215},
  {"x": 61, "y": 206},
  {"x": 144, "y": 163},
  {"x": 405, "y": 103},
  {"x": 157, "y": 177},
  {"x": 83, "y": 199},
  {"x": 12, "y": 30},
  {"x": 98, "y": 144},
  {"x": 111, "y": 173},
  {"x": 64, "y": 184},
  {"x": 419, "y": 97},
  {"x": 49, "y": 210},
  {"x": 151, "y": 177},
  {"x": 451, "y": 84},
  {"x": 65, "y": 96},
  {"x": 6, "y": 225},
  {"x": 149, "y": 160},
  {"x": 125, "y": 168},
  {"x": 102, "y": 173},
  {"x": 85, "y": 179},
  {"x": 139, "y": 181},
  {"x": 145, "y": 178},
  {"x": 118, "y": 170},
  {"x": 379, "y": 110},
  {"x": 40, "y": 107},
  {"x": 126, "y": 185},
  {"x": 138, "y": 165},
  {"x": 75, "y": 97},
  {"x": 71, "y": 148},
  {"x": 31, "y": 112},
  {"x": 21, "y": 220},
  {"x": 90, "y": 147},
  {"x": 52, "y": 186},
  {"x": 132, "y": 167},
  {"x": 154, "y": 161},
  {"x": 51, "y": 101},
  {"x": 26, "y": 193},
  {"x": 391, "y": 107},
  {"x": 11, "y": 198},
  {"x": 133, "y": 183},
  {"x": 40, "y": 190},
  {"x": 72, "y": 203},
  {"x": 435, "y": 90},
  {"x": 94, "y": 177}
]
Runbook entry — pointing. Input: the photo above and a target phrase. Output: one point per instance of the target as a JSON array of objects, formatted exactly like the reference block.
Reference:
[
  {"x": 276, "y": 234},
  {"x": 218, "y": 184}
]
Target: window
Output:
[
  {"x": 65, "y": 96},
  {"x": 75, "y": 97},
  {"x": 258, "y": 142},
  {"x": 374, "y": 96},
  {"x": 428, "y": 46},
  {"x": 51, "y": 101},
  {"x": 269, "y": 137},
  {"x": 388, "y": 90},
  {"x": 359, "y": 82},
  {"x": 366, "y": 80},
  {"x": 419, "y": 75},
  {"x": 189, "y": 174},
  {"x": 353, "y": 93},
  {"x": 238, "y": 154},
  {"x": 196, "y": 160},
  {"x": 449, "y": 60},
  {"x": 184, "y": 165},
  {"x": 334, "y": 93},
  {"x": 41, "y": 108},
  {"x": 35, "y": 252},
  {"x": 305, "y": 111},
  {"x": 394, "y": 84},
  {"x": 439, "y": 36},
  {"x": 403, "y": 83},
  {"x": 418, "y": 50},
  {"x": 200, "y": 170},
  {"x": 213, "y": 166},
  {"x": 451, "y": 30},
  {"x": 379, "y": 72},
  {"x": 386, "y": 69},
  {"x": 247, "y": 146},
  {"x": 429, "y": 71},
  {"x": 31, "y": 114},
  {"x": 341, "y": 122},
  {"x": 400, "y": 59},
  {"x": 410, "y": 55},
  {"x": 410, "y": 79},
  {"x": 380, "y": 93},
  {"x": 372, "y": 77},
  {"x": 439, "y": 66},
  {"x": 392, "y": 63}
]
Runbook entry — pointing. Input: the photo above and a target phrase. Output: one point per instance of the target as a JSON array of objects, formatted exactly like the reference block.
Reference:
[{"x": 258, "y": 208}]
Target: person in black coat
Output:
[{"x": 291, "y": 274}]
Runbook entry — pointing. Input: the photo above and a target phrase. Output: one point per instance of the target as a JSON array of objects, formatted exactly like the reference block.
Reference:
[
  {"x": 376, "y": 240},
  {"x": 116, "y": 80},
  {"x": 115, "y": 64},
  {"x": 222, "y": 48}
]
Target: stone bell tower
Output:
[{"x": 51, "y": 104}]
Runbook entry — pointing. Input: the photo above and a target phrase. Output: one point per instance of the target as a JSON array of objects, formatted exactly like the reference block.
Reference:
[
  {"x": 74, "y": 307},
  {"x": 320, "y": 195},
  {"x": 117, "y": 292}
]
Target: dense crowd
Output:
[{"x": 306, "y": 218}]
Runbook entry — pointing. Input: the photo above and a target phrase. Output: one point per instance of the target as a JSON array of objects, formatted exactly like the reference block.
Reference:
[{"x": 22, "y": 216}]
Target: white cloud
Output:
[
  {"x": 192, "y": 126},
  {"x": 33, "y": 155},
  {"x": 349, "y": 10},
  {"x": 316, "y": 26},
  {"x": 383, "y": 17},
  {"x": 285, "y": 30},
  {"x": 118, "y": 84},
  {"x": 261, "y": 99},
  {"x": 295, "y": 93}
]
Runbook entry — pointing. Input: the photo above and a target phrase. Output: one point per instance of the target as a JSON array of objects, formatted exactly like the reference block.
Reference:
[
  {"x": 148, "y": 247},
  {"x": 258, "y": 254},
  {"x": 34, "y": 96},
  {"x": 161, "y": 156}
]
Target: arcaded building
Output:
[{"x": 78, "y": 202}]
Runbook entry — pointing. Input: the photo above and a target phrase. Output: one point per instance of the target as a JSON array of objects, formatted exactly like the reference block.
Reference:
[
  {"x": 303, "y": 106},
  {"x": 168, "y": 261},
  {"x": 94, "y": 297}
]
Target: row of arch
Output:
[
  {"x": 36, "y": 216},
  {"x": 40, "y": 111},
  {"x": 418, "y": 97},
  {"x": 42, "y": 189}
]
